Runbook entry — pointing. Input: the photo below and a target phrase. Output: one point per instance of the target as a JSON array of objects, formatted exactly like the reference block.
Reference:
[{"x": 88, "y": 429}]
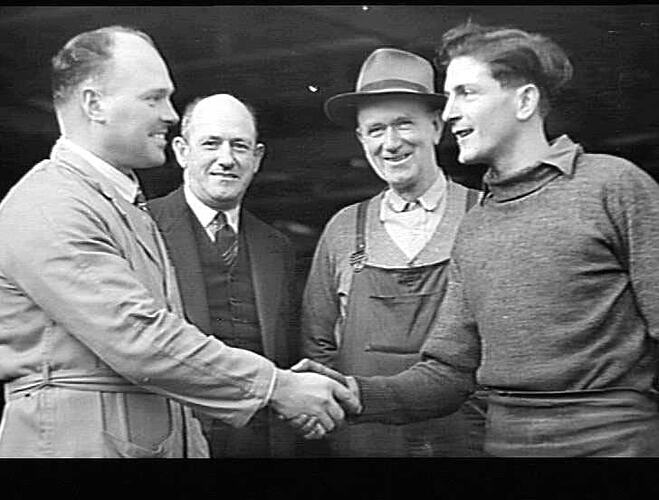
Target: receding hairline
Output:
[
  {"x": 101, "y": 45},
  {"x": 192, "y": 108}
]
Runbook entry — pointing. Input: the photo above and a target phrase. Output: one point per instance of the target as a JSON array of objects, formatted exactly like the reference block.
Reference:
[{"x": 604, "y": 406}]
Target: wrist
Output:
[
  {"x": 354, "y": 388},
  {"x": 281, "y": 381}
]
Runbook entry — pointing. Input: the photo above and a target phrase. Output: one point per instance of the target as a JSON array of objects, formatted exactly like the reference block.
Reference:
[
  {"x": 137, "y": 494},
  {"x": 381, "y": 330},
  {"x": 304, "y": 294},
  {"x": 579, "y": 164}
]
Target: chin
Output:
[
  {"x": 467, "y": 159},
  {"x": 150, "y": 162}
]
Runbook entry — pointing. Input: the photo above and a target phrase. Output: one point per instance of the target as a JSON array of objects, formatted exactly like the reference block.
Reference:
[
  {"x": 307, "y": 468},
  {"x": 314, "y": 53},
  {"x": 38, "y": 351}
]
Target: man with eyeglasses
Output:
[{"x": 234, "y": 271}]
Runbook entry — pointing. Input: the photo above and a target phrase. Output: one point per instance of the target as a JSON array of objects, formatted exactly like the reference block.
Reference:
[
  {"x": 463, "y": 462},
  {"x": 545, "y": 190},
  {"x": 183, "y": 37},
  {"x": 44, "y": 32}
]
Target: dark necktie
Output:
[
  {"x": 226, "y": 240},
  {"x": 410, "y": 205},
  {"x": 140, "y": 200}
]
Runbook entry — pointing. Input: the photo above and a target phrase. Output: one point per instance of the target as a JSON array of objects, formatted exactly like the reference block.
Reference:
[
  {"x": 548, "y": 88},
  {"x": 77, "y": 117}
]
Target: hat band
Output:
[{"x": 396, "y": 84}]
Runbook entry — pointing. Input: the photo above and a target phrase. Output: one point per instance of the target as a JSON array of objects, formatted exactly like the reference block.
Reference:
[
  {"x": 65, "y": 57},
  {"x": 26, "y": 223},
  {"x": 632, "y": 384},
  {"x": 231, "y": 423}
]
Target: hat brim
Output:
[{"x": 342, "y": 108}]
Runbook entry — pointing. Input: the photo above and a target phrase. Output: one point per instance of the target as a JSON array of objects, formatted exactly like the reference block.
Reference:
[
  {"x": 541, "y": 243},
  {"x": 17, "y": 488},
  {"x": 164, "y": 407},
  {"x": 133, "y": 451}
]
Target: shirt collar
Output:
[
  {"x": 125, "y": 186},
  {"x": 559, "y": 160},
  {"x": 206, "y": 214},
  {"x": 429, "y": 200}
]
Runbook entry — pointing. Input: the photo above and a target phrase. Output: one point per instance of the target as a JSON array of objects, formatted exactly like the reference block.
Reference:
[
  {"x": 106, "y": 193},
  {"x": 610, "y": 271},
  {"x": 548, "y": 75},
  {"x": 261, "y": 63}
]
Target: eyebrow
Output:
[
  {"x": 458, "y": 87},
  {"x": 369, "y": 123},
  {"x": 159, "y": 92},
  {"x": 214, "y": 137}
]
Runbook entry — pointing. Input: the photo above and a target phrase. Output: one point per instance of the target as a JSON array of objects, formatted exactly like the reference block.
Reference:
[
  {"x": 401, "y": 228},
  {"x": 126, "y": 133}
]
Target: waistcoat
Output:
[{"x": 230, "y": 294}]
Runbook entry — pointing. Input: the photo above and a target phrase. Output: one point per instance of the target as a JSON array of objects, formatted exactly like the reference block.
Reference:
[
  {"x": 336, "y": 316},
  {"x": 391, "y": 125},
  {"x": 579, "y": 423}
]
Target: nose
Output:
[
  {"x": 225, "y": 155},
  {"x": 450, "y": 112},
  {"x": 391, "y": 139},
  {"x": 170, "y": 115}
]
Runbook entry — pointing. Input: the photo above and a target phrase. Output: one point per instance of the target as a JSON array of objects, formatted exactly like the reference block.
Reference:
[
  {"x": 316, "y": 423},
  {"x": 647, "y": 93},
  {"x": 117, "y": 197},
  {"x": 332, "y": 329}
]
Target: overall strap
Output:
[
  {"x": 472, "y": 198},
  {"x": 358, "y": 257}
]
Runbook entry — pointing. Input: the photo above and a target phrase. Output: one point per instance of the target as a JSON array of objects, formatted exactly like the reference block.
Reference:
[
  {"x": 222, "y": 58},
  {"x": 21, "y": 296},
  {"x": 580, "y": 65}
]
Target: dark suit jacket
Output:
[{"x": 272, "y": 259}]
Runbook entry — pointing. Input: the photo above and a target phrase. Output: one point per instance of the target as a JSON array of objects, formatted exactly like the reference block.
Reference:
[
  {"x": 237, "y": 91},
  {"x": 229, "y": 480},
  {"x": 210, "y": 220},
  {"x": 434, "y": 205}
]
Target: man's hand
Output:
[
  {"x": 308, "y": 425},
  {"x": 308, "y": 365},
  {"x": 311, "y": 395}
]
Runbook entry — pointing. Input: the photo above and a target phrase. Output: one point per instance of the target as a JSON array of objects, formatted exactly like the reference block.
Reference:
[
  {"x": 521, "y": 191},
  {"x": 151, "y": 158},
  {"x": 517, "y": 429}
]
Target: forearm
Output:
[
  {"x": 80, "y": 279},
  {"x": 426, "y": 390},
  {"x": 197, "y": 370},
  {"x": 158, "y": 350}
]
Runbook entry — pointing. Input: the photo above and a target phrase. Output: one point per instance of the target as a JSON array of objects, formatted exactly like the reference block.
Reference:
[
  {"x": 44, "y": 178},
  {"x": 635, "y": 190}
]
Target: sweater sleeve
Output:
[
  {"x": 633, "y": 205},
  {"x": 320, "y": 306},
  {"x": 439, "y": 383}
]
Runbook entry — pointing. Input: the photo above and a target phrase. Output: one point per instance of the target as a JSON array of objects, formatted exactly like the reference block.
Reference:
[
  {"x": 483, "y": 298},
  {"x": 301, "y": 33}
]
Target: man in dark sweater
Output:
[{"x": 553, "y": 299}]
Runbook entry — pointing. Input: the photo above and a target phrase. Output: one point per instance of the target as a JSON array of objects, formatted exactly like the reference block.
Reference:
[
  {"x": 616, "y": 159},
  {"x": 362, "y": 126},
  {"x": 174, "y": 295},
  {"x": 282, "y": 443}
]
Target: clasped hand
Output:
[{"x": 314, "y": 399}]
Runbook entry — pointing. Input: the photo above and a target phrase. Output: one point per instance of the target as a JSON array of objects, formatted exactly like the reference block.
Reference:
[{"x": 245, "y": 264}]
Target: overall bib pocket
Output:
[{"x": 400, "y": 324}]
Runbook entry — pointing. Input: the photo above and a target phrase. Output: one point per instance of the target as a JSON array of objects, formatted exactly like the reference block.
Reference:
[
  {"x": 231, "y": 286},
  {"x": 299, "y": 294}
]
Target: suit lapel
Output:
[
  {"x": 176, "y": 228},
  {"x": 262, "y": 261}
]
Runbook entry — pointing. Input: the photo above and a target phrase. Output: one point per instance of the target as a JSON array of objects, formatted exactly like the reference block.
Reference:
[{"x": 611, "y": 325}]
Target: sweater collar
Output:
[{"x": 560, "y": 160}]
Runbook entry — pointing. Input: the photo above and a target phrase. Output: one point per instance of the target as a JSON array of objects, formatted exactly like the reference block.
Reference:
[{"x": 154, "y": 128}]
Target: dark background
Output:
[{"x": 271, "y": 55}]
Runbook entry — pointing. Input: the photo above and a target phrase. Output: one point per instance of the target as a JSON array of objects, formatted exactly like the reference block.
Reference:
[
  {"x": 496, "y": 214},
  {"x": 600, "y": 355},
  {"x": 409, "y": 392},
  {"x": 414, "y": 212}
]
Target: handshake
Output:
[{"x": 314, "y": 399}]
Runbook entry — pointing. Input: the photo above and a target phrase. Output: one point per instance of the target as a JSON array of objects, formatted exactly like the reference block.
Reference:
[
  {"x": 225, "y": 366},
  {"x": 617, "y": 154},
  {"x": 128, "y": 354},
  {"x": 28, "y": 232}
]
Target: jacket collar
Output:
[
  {"x": 72, "y": 160},
  {"x": 138, "y": 221},
  {"x": 126, "y": 186}
]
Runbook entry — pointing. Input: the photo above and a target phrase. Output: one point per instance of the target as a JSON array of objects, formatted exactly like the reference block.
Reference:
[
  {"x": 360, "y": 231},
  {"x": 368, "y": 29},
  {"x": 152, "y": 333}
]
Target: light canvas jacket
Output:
[{"x": 88, "y": 300}]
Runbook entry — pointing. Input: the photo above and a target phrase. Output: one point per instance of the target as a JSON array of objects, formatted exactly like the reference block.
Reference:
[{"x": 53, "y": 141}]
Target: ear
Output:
[
  {"x": 528, "y": 100},
  {"x": 259, "y": 153},
  {"x": 438, "y": 125},
  {"x": 91, "y": 102},
  {"x": 360, "y": 138},
  {"x": 181, "y": 149}
]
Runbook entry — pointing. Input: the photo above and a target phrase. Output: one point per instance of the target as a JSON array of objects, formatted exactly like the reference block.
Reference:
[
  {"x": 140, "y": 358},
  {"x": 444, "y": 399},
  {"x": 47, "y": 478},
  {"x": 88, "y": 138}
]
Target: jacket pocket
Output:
[
  {"x": 138, "y": 425},
  {"x": 116, "y": 447}
]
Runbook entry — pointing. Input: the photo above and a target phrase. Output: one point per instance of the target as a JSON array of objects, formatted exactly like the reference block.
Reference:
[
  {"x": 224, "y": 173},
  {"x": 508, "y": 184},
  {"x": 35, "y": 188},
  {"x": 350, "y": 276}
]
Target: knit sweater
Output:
[{"x": 554, "y": 286}]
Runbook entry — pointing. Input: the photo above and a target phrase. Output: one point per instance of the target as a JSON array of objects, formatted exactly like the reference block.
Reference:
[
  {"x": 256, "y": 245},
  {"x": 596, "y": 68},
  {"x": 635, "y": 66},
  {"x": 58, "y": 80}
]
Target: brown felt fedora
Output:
[{"x": 386, "y": 71}]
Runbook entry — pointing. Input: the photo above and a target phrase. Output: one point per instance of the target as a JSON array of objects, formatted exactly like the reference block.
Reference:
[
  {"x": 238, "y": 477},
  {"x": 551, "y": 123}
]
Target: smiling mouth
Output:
[
  {"x": 397, "y": 159},
  {"x": 162, "y": 137},
  {"x": 224, "y": 175}
]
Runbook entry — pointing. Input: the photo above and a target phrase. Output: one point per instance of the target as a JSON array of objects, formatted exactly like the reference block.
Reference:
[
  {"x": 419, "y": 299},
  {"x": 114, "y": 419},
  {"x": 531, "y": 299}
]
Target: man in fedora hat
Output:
[
  {"x": 379, "y": 270},
  {"x": 551, "y": 305}
]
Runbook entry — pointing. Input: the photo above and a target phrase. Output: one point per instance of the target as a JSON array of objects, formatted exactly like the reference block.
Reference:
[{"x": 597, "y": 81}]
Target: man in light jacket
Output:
[{"x": 97, "y": 358}]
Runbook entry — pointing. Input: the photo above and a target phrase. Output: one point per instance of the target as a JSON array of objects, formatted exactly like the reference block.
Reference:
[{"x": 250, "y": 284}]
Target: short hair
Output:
[
  {"x": 189, "y": 109},
  {"x": 85, "y": 56},
  {"x": 514, "y": 57}
]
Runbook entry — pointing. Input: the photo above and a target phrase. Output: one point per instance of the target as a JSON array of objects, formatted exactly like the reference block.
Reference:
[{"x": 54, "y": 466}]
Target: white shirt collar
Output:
[
  {"x": 206, "y": 214},
  {"x": 125, "y": 186},
  {"x": 429, "y": 200}
]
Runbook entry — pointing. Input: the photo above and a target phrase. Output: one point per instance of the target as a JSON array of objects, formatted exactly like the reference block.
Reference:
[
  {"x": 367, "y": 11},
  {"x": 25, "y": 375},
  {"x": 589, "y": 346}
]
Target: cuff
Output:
[
  {"x": 376, "y": 398},
  {"x": 271, "y": 388}
]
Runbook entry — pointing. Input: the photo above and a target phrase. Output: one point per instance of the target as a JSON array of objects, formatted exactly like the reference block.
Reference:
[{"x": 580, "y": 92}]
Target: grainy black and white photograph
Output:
[{"x": 326, "y": 232}]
